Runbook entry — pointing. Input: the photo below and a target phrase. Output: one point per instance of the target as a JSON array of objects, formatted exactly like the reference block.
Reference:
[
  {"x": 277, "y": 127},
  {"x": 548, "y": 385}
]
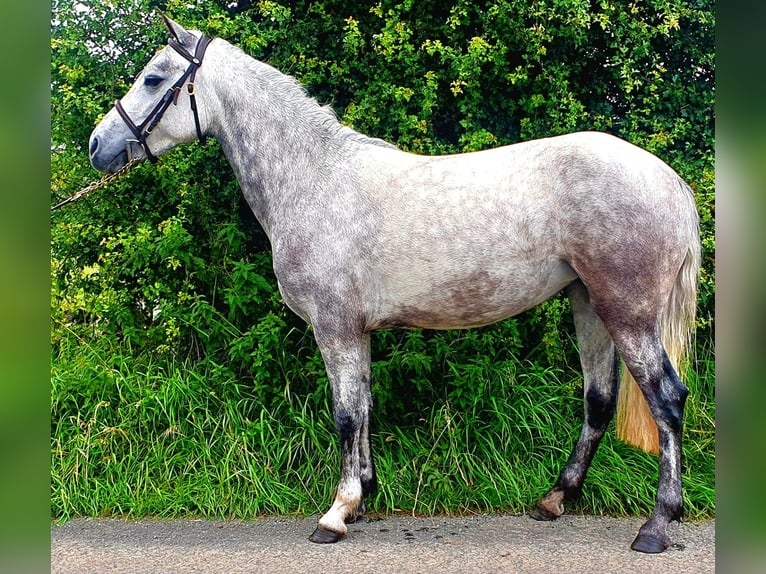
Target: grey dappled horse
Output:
[{"x": 366, "y": 236}]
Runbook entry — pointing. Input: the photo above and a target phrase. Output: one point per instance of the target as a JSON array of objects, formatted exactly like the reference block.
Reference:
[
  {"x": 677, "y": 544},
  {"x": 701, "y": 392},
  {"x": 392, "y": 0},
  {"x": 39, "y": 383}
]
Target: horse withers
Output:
[{"x": 366, "y": 236}]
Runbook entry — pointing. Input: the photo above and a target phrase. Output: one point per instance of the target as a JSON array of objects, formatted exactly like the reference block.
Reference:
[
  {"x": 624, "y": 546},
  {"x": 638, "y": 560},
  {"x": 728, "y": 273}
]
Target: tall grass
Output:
[{"x": 171, "y": 439}]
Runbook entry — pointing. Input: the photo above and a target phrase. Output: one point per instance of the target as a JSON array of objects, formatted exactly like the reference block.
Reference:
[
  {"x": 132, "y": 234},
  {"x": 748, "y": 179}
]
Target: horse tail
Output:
[{"x": 676, "y": 325}]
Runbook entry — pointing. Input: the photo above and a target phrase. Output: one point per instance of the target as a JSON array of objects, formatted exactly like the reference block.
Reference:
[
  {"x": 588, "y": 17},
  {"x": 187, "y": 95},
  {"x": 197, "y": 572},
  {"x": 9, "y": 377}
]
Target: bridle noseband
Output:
[{"x": 171, "y": 97}]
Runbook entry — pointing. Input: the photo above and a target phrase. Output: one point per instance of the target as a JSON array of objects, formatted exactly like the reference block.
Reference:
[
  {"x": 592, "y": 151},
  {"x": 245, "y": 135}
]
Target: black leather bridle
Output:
[{"x": 146, "y": 127}]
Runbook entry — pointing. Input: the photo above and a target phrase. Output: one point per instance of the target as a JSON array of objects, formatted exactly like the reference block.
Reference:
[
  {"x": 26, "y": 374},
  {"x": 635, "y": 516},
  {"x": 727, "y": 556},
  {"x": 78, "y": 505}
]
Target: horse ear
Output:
[{"x": 178, "y": 31}]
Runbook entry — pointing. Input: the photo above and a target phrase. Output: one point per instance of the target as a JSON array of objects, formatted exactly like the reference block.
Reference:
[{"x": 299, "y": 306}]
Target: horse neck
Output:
[{"x": 279, "y": 141}]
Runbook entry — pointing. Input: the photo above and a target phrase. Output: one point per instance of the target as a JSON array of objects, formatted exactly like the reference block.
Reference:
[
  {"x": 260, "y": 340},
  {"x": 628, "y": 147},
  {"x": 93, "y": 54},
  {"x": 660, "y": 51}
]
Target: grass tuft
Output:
[{"x": 133, "y": 438}]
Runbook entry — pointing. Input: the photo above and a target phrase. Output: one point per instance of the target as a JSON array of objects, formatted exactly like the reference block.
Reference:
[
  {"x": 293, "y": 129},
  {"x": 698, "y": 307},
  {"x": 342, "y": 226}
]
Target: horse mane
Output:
[{"x": 258, "y": 75}]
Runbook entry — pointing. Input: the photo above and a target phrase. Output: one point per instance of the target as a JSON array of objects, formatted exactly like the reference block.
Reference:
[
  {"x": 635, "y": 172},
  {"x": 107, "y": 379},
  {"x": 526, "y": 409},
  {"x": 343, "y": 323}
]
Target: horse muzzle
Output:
[{"x": 107, "y": 160}]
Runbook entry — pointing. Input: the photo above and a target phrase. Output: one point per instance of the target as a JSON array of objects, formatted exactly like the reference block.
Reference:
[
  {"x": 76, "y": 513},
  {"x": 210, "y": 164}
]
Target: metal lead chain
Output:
[{"x": 98, "y": 184}]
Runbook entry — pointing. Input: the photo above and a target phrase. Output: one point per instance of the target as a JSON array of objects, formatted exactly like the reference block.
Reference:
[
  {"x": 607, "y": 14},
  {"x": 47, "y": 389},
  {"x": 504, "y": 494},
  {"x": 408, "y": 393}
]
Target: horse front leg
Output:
[{"x": 347, "y": 359}]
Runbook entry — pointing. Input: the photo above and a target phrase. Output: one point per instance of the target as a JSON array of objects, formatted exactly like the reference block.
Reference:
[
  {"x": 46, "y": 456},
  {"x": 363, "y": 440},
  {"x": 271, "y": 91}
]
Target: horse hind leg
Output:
[
  {"x": 600, "y": 373},
  {"x": 645, "y": 357}
]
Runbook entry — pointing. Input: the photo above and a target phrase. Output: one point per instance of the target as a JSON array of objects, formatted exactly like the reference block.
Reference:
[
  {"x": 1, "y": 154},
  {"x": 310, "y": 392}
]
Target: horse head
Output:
[{"x": 154, "y": 115}]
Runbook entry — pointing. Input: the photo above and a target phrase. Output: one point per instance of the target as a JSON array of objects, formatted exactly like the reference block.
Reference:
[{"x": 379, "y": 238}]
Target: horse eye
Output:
[{"x": 153, "y": 81}]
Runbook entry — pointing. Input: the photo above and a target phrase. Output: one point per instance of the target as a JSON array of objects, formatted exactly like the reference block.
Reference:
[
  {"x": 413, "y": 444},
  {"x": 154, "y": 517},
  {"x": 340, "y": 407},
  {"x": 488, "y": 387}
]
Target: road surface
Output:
[{"x": 391, "y": 544}]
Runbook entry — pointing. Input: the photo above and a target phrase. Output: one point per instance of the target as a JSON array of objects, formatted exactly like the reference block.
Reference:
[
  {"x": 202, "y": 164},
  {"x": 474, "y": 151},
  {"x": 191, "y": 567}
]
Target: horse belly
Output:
[{"x": 473, "y": 299}]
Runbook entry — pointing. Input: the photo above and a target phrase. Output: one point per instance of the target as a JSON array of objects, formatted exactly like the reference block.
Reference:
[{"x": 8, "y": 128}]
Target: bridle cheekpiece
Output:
[{"x": 142, "y": 131}]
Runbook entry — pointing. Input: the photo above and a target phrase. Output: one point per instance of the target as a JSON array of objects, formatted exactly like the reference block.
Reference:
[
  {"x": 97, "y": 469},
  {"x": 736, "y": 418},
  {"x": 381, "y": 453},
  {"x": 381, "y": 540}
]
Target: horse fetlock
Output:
[
  {"x": 357, "y": 514},
  {"x": 670, "y": 505},
  {"x": 348, "y": 506}
]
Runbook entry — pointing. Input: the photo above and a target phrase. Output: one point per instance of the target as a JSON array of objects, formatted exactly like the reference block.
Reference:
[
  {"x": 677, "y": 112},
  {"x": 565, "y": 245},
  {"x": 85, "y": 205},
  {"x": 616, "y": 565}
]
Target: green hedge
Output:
[{"x": 166, "y": 277}]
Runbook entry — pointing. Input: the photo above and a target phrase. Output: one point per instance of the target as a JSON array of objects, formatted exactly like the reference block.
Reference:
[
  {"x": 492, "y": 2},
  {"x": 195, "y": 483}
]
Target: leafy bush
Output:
[{"x": 168, "y": 267}]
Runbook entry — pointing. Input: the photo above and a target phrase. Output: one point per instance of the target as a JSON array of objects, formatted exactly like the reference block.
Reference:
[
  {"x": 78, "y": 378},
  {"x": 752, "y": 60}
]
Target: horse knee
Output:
[
  {"x": 352, "y": 404},
  {"x": 347, "y": 423}
]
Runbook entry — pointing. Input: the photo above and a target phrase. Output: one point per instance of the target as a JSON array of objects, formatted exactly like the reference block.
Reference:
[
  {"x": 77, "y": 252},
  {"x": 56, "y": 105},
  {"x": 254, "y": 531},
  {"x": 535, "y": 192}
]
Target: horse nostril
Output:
[{"x": 93, "y": 145}]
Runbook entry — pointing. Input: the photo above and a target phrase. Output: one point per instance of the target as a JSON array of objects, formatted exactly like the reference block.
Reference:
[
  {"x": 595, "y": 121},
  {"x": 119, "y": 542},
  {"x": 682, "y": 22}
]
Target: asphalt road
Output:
[{"x": 395, "y": 544}]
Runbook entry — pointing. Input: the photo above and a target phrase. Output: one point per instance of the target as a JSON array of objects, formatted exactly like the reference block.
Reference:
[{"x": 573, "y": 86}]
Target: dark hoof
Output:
[
  {"x": 322, "y": 536},
  {"x": 540, "y": 513},
  {"x": 649, "y": 544}
]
